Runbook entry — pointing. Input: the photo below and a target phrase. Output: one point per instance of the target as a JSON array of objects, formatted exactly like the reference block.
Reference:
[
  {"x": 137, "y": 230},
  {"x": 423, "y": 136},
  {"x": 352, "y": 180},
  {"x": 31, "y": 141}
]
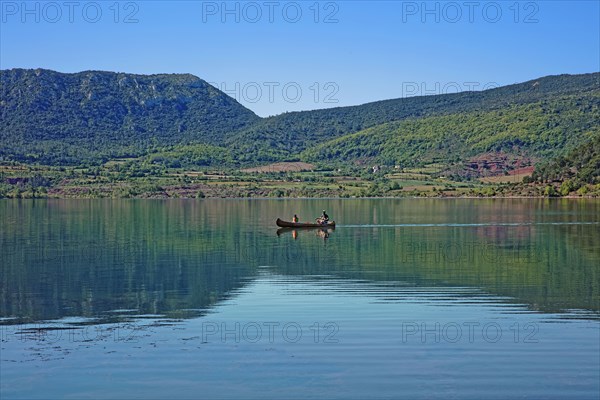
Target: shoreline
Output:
[
  {"x": 103, "y": 182},
  {"x": 424, "y": 197}
]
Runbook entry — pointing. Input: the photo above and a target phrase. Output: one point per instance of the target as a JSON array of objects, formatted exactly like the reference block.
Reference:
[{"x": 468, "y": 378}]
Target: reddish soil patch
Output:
[
  {"x": 522, "y": 171},
  {"x": 282, "y": 167}
]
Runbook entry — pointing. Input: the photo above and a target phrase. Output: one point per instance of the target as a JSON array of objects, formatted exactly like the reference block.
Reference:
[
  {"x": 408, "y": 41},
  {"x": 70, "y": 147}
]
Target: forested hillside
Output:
[
  {"x": 286, "y": 135},
  {"x": 92, "y": 117},
  {"x": 536, "y": 130},
  {"x": 57, "y": 118},
  {"x": 575, "y": 170}
]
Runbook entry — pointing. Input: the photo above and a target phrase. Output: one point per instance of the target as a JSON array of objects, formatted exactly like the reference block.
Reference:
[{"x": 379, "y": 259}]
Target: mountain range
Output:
[{"x": 91, "y": 117}]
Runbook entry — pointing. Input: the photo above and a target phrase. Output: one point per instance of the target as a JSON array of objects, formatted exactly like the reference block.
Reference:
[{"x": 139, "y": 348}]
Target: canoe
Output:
[{"x": 286, "y": 224}]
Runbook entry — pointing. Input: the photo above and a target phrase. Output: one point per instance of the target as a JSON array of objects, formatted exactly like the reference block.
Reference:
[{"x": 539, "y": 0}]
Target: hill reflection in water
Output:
[{"x": 90, "y": 259}]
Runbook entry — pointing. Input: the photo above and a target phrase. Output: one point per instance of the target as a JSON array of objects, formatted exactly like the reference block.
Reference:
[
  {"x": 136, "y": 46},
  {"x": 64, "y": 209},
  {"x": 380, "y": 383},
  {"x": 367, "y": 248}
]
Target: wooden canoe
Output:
[{"x": 286, "y": 224}]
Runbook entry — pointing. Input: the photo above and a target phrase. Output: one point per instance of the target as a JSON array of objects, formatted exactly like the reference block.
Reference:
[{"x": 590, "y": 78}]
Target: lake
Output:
[{"x": 406, "y": 298}]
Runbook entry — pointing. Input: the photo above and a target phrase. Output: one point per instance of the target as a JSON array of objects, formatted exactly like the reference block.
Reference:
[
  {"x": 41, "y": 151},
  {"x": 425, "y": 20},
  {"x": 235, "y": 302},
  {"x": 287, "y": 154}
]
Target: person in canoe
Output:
[
  {"x": 295, "y": 219},
  {"x": 323, "y": 219}
]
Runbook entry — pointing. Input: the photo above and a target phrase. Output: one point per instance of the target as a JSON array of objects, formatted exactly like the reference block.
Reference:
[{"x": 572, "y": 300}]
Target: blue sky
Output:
[{"x": 277, "y": 56}]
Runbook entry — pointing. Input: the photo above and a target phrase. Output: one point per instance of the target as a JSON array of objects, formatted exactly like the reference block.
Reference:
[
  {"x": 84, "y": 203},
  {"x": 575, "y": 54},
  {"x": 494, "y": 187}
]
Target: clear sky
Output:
[{"x": 277, "y": 56}]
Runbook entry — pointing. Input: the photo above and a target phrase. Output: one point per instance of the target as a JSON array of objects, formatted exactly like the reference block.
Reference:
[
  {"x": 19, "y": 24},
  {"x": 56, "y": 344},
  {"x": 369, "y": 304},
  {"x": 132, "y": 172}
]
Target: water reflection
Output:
[
  {"x": 322, "y": 233},
  {"x": 181, "y": 258},
  {"x": 351, "y": 338}
]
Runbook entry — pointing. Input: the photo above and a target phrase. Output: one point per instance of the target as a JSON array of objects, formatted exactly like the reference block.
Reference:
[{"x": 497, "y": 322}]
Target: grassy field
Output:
[{"x": 515, "y": 176}]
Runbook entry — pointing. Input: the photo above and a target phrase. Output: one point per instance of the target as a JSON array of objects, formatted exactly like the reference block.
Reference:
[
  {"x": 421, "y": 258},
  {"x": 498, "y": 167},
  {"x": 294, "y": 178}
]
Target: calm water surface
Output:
[{"x": 404, "y": 299}]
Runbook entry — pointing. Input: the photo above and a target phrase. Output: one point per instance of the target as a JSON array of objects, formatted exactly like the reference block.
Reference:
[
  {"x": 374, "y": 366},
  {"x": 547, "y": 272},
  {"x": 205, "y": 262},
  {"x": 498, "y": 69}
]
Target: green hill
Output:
[
  {"x": 92, "y": 117},
  {"x": 57, "y": 118},
  {"x": 541, "y": 129},
  {"x": 286, "y": 135}
]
